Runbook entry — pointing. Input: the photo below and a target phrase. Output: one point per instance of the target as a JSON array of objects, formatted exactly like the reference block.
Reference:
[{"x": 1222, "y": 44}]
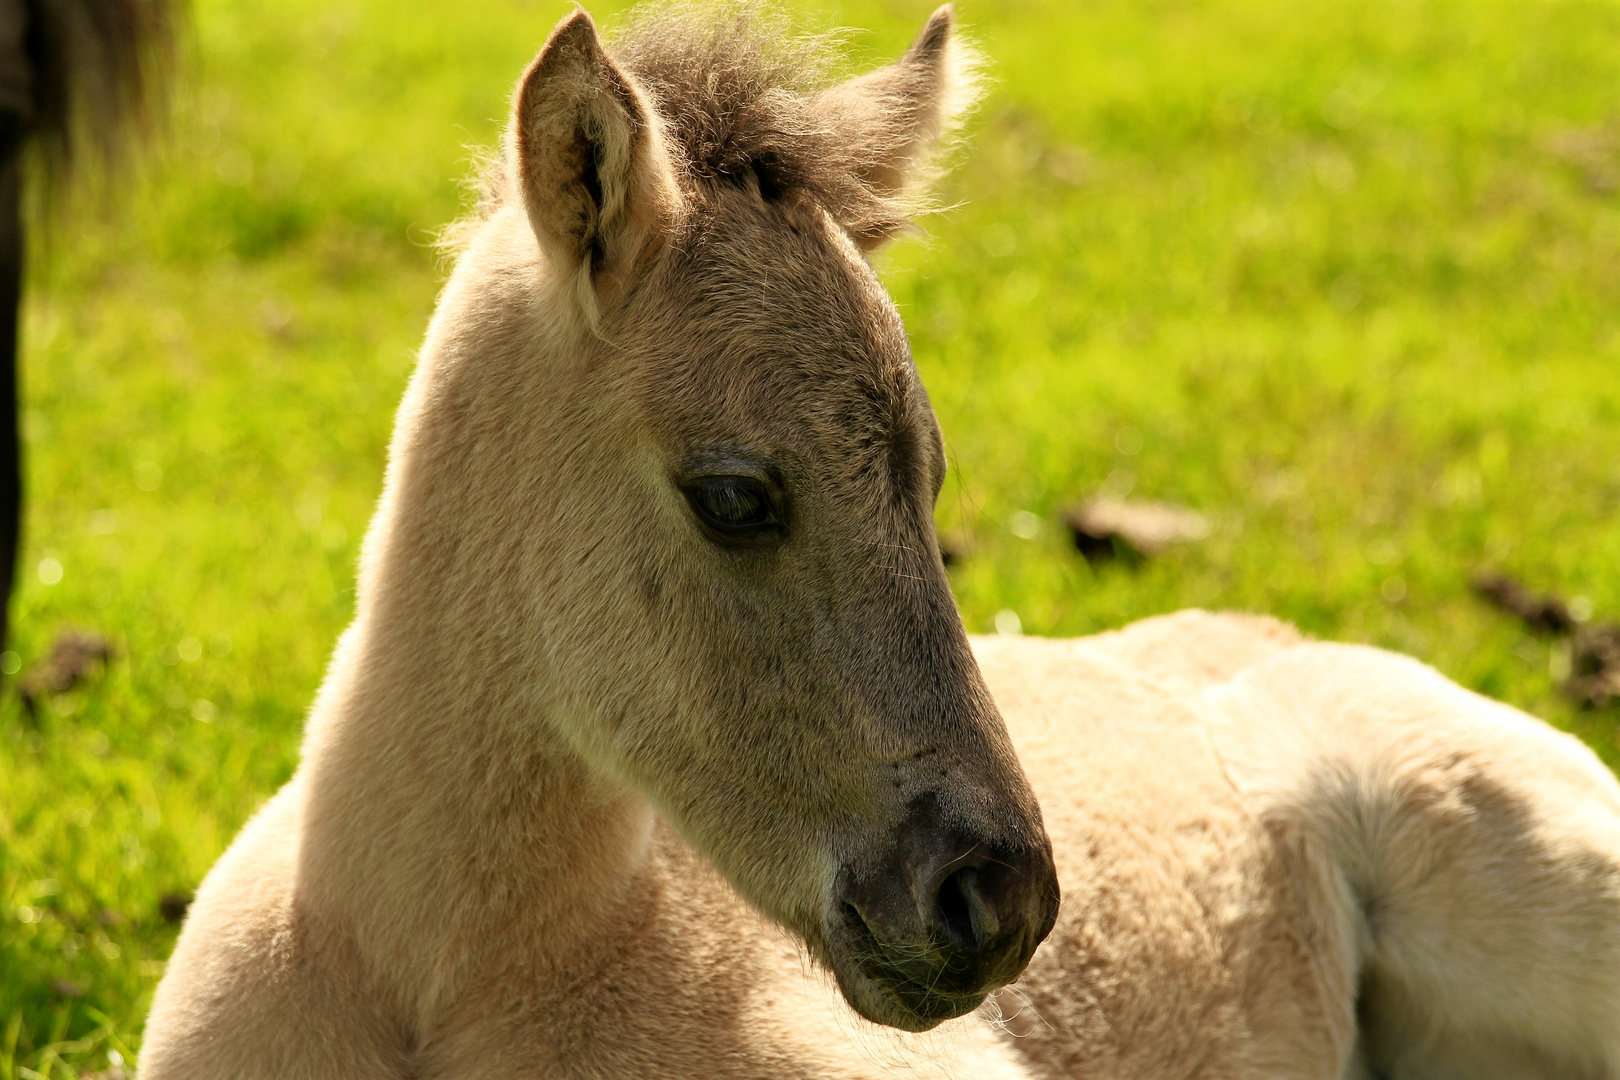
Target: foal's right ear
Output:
[
  {"x": 590, "y": 162},
  {"x": 894, "y": 119}
]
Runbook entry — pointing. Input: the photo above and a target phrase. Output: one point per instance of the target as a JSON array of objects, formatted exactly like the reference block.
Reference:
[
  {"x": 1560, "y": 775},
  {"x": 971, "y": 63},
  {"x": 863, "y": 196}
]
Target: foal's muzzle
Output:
[{"x": 918, "y": 942}]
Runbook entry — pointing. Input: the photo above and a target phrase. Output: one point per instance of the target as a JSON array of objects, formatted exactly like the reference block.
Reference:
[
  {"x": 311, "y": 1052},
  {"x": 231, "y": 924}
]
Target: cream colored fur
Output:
[
  {"x": 531, "y": 798},
  {"x": 1259, "y": 836}
]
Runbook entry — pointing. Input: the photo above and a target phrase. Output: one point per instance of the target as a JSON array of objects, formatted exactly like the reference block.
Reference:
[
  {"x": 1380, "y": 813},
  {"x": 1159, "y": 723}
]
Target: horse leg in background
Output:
[
  {"x": 17, "y": 115},
  {"x": 11, "y": 266},
  {"x": 79, "y": 79}
]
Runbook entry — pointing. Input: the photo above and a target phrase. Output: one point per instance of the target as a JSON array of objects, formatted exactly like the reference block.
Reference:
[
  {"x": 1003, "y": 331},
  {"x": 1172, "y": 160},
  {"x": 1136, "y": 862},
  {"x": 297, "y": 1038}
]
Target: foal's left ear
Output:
[
  {"x": 590, "y": 162},
  {"x": 897, "y": 116}
]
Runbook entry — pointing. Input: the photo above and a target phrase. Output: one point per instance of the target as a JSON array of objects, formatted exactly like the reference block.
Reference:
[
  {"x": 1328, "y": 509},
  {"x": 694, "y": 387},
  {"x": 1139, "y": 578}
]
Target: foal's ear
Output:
[
  {"x": 590, "y": 161},
  {"x": 898, "y": 115}
]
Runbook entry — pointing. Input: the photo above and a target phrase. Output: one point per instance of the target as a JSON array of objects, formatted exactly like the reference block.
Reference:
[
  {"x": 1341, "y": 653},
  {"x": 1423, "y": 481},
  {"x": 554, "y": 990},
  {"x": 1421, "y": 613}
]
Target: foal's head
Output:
[{"x": 738, "y": 480}]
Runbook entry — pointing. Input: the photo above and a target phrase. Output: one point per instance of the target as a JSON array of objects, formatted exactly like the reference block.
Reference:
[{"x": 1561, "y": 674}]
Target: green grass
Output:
[{"x": 1343, "y": 276}]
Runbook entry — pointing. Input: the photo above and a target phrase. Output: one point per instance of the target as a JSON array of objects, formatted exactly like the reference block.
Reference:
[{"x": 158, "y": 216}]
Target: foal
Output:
[
  {"x": 655, "y": 675},
  {"x": 653, "y": 573}
]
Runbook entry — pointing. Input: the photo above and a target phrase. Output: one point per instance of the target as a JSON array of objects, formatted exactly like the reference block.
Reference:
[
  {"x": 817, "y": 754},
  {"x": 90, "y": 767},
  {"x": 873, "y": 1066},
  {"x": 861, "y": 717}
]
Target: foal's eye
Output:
[{"x": 735, "y": 507}]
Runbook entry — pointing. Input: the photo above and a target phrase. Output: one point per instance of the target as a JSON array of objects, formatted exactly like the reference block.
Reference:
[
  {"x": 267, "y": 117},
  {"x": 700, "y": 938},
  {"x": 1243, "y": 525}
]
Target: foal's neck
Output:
[
  {"x": 443, "y": 832},
  {"x": 449, "y": 828}
]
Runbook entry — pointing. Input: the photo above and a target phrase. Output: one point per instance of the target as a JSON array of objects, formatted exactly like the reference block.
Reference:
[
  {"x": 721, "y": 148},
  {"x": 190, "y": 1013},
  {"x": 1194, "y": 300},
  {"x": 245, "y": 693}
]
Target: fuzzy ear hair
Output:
[
  {"x": 898, "y": 116},
  {"x": 589, "y": 161}
]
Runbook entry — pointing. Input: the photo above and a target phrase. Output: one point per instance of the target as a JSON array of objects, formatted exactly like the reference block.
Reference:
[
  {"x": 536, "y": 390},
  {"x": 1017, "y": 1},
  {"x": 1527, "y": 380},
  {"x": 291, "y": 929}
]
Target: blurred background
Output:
[{"x": 1340, "y": 277}]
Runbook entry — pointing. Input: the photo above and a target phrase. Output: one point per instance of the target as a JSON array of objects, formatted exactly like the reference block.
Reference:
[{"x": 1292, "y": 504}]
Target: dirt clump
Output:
[
  {"x": 75, "y": 657},
  {"x": 1106, "y": 527},
  {"x": 1593, "y": 648}
]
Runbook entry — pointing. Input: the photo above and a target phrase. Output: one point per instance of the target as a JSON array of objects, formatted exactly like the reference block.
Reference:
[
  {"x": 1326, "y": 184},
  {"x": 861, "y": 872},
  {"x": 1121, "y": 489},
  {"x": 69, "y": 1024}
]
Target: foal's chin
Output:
[
  {"x": 897, "y": 1004},
  {"x": 907, "y": 996}
]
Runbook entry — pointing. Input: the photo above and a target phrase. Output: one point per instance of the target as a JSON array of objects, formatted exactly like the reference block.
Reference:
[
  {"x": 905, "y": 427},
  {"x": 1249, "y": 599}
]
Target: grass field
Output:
[{"x": 1344, "y": 276}]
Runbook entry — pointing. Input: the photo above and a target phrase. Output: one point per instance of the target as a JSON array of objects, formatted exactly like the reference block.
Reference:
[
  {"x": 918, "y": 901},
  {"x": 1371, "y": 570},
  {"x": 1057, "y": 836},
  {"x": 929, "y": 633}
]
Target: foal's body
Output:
[
  {"x": 1284, "y": 858},
  {"x": 657, "y": 546},
  {"x": 1257, "y": 837}
]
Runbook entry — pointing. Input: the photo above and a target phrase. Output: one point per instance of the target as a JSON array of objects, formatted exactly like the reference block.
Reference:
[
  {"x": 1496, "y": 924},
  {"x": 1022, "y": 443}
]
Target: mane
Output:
[{"x": 741, "y": 92}]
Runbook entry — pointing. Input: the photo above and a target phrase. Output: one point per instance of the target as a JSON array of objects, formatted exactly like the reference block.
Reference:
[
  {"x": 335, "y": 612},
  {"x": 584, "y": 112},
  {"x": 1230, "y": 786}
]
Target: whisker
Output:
[{"x": 907, "y": 548}]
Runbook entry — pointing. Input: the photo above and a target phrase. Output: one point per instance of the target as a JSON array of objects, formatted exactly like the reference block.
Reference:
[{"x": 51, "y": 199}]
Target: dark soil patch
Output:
[
  {"x": 75, "y": 657},
  {"x": 1594, "y": 648},
  {"x": 1106, "y": 528}
]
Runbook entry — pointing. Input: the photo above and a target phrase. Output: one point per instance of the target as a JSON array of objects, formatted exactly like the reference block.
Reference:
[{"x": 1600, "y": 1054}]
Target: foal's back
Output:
[{"x": 1291, "y": 858}]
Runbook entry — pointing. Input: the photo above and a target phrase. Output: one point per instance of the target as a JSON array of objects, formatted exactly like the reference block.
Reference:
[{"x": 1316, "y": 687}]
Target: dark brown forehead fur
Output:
[
  {"x": 739, "y": 92},
  {"x": 764, "y": 330}
]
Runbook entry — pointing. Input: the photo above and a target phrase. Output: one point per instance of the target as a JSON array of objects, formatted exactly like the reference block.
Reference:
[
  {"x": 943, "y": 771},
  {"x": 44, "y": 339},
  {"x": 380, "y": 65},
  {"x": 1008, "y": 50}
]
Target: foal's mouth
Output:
[{"x": 914, "y": 986}]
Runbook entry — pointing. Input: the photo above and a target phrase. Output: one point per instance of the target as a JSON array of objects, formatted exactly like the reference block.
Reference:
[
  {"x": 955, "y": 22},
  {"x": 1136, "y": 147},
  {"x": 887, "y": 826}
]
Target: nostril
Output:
[{"x": 961, "y": 911}]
